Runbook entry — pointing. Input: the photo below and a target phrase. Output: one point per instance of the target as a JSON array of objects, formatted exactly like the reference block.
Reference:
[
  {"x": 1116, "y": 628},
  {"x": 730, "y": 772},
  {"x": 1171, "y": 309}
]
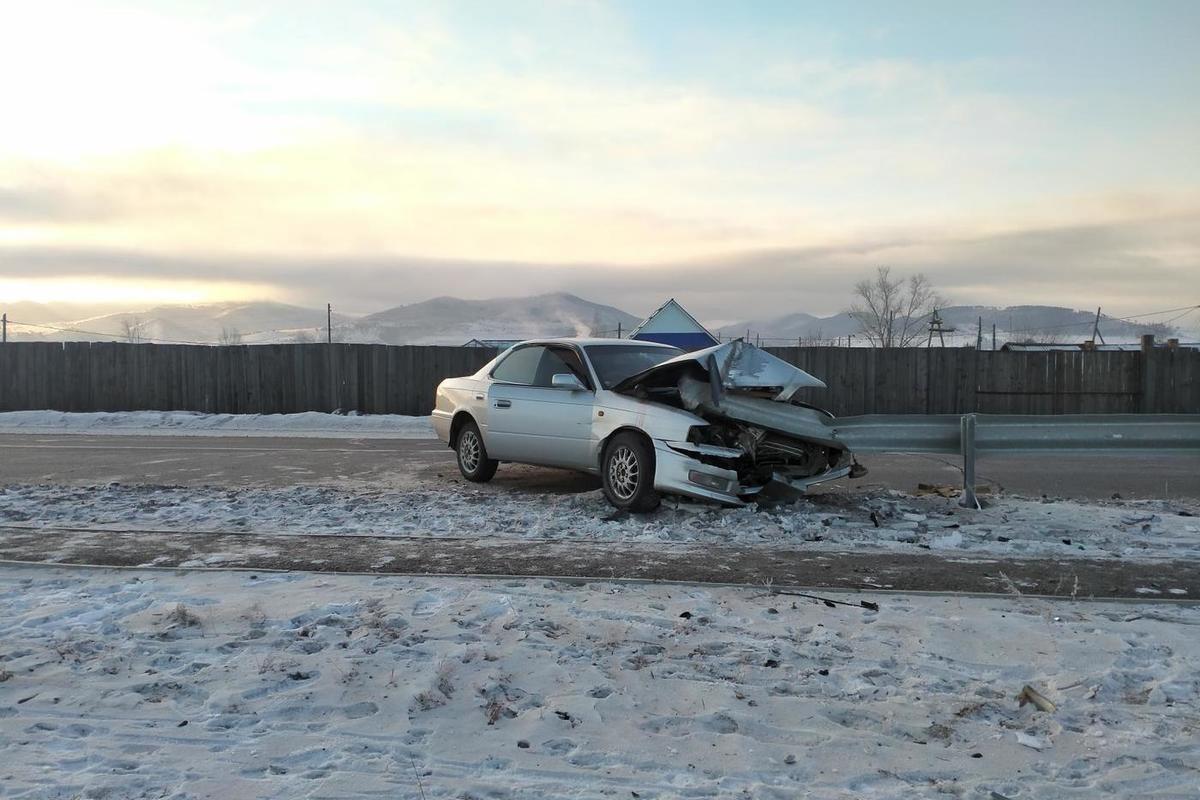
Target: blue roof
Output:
[{"x": 691, "y": 340}]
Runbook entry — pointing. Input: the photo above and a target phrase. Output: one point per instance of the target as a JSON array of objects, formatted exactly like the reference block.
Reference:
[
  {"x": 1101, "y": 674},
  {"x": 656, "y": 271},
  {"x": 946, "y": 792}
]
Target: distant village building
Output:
[
  {"x": 671, "y": 324},
  {"x": 1041, "y": 347},
  {"x": 498, "y": 344}
]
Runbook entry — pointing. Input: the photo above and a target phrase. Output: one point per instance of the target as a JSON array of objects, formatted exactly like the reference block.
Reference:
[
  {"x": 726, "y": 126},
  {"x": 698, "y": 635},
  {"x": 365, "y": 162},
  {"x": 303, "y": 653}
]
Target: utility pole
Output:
[
  {"x": 4, "y": 326},
  {"x": 329, "y": 323},
  {"x": 993, "y": 336},
  {"x": 979, "y": 336},
  {"x": 618, "y": 330},
  {"x": 936, "y": 326},
  {"x": 1096, "y": 328}
]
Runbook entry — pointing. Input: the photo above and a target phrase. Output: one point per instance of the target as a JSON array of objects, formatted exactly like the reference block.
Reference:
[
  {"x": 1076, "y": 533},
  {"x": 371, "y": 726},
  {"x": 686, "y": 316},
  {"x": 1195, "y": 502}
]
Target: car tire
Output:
[
  {"x": 627, "y": 472},
  {"x": 473, "y": 461}
]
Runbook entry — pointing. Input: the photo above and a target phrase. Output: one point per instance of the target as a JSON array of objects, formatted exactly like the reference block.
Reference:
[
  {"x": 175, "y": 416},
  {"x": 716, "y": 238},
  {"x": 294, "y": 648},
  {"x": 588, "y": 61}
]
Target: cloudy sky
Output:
[{"x": 750, "y": 158}]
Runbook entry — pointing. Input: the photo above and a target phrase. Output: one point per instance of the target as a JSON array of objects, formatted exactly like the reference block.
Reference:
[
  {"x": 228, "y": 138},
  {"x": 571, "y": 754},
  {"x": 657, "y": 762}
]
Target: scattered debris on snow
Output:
[
  {"x": 876, "y": 520},
  {"x": 1031, "y": 695},
  {"x": 222, "y": 684}
]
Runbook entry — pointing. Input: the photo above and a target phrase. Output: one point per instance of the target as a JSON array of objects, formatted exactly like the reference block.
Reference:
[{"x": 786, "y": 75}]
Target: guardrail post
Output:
[{"x": 967, "y": 439}]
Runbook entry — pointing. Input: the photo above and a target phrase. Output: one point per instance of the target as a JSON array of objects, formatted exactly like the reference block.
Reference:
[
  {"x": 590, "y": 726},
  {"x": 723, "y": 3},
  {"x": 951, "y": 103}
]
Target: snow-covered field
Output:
[
  {"x": 239, "y": 685},
  {"x": 877, "y": 520},
  {"x": 309, "y": 424}
]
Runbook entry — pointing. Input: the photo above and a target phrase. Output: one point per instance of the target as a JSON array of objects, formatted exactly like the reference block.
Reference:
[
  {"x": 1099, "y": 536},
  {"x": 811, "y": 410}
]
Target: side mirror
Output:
[{"x": 567, "y": 380}]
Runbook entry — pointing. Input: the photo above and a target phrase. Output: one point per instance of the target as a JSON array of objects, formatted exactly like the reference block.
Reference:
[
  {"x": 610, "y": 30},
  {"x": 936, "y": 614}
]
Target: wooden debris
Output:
[
  {"x": 946, "y": 490},
  {"x": 867, "y": 604},
  {"x": 1032, "y": 695}
]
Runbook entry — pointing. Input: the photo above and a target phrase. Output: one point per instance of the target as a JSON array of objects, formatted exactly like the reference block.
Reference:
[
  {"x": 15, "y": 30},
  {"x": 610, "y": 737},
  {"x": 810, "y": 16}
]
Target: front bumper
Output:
[
  {"x": 671, "y": 470},
  {"x": 677, "y": 473}
]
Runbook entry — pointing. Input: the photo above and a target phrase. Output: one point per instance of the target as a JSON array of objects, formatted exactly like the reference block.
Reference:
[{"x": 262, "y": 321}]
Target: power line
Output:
[
  {"x": 1132, "y": 318},
  {"x": 1156, "y": 313}
]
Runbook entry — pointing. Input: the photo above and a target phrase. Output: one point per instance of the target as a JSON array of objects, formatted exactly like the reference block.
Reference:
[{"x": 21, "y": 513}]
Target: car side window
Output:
[{"x": 520, "y": 366}]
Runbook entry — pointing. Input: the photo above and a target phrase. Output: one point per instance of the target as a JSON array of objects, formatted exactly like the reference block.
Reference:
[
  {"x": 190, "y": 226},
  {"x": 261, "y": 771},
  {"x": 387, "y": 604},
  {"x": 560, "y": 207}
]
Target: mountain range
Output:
[
  {"x": 1048, "y": 324},
  {"x": 454, "y": 321}
]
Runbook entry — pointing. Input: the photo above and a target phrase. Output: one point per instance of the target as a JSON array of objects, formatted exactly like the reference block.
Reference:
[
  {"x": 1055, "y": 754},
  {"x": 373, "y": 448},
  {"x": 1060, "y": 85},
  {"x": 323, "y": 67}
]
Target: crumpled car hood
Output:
[{"x": 735, "y": 365}]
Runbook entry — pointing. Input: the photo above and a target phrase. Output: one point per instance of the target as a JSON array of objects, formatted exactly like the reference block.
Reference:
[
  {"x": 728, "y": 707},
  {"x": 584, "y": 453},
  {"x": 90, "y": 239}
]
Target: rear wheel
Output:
[
  {"x": 628, "y": 474},
  {"x": 473, "y": 461}
]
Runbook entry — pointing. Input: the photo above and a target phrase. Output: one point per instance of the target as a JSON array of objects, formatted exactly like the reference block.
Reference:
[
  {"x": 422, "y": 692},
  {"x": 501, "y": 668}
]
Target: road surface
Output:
[
  {"x": 239, "y": 462},
  {"x": 753, "y": 566}
]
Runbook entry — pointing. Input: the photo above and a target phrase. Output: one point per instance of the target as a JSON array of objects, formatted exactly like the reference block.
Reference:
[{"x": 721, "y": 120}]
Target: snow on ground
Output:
[
  {"x": 838, "y": 521},
  {"x": 238, "y": 685},
  {"x": 309, "y": 424}
]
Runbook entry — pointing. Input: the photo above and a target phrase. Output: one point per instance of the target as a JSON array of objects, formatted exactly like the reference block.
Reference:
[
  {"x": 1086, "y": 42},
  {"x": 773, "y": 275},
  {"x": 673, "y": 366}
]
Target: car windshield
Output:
[{"x": 616, "y": 362}]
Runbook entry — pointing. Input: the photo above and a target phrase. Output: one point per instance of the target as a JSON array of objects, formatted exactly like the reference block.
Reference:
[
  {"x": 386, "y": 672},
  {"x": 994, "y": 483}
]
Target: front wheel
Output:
[
  {"x": 628, "y": 474},
  {"x": 473, "y": 461}
]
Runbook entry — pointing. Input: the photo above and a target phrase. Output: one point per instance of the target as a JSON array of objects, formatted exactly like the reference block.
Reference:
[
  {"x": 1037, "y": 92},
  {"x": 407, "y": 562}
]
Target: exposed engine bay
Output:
[{"x": 755, "y": 426}]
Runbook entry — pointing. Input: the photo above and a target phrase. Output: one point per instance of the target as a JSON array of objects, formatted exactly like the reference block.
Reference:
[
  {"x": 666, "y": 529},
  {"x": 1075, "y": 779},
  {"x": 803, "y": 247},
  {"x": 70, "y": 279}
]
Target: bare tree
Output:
[
  {"x": 891, "y": 311},
  {"x": 131, "y": 330},
  {"x": 230, "y": 336}
]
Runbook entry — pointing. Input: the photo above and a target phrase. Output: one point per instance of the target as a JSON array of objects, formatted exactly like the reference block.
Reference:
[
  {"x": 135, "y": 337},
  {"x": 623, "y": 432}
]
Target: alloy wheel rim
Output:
[
  {"x": 468, "y": 451},
  {"x": 623, "y": 472}
]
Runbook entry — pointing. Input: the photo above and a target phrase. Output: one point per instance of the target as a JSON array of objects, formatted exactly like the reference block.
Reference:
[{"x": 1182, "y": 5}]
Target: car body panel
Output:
[{"x": 539, "y": 425}]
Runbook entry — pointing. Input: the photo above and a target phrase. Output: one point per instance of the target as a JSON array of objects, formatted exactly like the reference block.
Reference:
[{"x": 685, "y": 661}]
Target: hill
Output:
[{"x": 450, "y": 320}]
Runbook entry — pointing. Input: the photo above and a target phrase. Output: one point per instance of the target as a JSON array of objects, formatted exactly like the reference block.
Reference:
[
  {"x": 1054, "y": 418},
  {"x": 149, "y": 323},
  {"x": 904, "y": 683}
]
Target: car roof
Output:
[{"x": 586, "y": 341}]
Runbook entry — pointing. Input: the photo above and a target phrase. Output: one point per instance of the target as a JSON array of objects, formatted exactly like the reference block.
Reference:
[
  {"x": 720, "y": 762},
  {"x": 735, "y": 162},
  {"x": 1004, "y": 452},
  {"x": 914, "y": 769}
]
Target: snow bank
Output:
[
  {"x": 874, "y": 521},
  {"x": 309, "y": 424},
  {"x": 148, "y": 684}
]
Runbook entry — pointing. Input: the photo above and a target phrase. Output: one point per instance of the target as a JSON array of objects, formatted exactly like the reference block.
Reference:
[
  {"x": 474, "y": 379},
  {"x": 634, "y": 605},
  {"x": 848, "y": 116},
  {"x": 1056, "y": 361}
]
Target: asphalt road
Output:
[{"x": 409, "y": 463}]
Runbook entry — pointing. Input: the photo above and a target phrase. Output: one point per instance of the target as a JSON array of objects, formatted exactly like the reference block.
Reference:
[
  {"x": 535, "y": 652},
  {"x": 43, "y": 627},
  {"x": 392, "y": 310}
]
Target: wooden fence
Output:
[
  {"x": 247, "y": 379},
  {"x": 381, "y": 379},
  {"x": 960, "y": 380}
]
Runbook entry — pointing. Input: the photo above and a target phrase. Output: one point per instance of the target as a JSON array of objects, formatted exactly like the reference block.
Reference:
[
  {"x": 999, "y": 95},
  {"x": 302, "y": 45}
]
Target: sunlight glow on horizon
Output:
[
  {"x": 646, "y": 136},
  {"x": 137, "y": 293}
]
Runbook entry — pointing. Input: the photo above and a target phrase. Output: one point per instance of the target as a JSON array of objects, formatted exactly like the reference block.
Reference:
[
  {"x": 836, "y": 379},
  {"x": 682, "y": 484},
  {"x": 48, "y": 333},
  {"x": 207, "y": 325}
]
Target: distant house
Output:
[
  {"x": 671, "y": 324},
  {"x": 498, "y": 344},
  {"x": 1033, "y": 347}
]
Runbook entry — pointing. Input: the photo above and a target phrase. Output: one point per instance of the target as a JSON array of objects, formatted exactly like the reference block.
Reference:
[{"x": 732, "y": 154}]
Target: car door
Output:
[{"x": 530, "y": 420}]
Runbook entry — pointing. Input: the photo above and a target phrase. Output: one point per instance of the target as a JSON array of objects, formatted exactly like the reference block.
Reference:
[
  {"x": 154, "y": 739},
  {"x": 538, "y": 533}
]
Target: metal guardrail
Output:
[{"x": 972, "y": 434}]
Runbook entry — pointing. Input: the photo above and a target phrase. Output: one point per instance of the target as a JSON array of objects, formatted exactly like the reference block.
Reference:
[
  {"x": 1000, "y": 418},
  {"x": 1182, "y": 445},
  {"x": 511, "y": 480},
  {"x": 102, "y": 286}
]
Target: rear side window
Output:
[{"x": 521, "y": 365}]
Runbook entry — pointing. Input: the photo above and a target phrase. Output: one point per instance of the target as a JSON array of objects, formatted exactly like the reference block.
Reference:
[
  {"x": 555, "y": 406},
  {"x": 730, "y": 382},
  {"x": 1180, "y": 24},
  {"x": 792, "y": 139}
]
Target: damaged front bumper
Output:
[
  {"x": 679, "y": 470},
  {"x": 757, "y": 440}
]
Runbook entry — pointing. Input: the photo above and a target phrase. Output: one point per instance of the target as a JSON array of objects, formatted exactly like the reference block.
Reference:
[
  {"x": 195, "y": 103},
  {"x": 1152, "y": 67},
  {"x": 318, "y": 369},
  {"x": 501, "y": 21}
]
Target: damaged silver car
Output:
[{"x": 718, "y": 424}]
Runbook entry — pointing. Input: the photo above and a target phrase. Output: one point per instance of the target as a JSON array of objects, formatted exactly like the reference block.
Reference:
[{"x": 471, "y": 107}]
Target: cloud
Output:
[
  {"x": 445, "y": 146},
  {"x": 1124, "y": 265},
  {"x": 48, "y": 204}
]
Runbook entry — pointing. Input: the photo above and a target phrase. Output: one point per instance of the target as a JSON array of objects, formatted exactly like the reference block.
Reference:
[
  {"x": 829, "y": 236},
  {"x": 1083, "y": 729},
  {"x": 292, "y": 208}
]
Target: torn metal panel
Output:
[
  {"x": 737, "y": 366},
  {"x": 707, "y": 450},
  {"x": 802, "y": 422}
]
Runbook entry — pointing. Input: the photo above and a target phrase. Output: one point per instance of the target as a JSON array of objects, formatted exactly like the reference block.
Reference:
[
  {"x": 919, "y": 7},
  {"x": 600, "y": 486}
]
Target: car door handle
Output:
[
  {"x": 504, "y": 404},
  {"x": 478, "y": 397}
]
